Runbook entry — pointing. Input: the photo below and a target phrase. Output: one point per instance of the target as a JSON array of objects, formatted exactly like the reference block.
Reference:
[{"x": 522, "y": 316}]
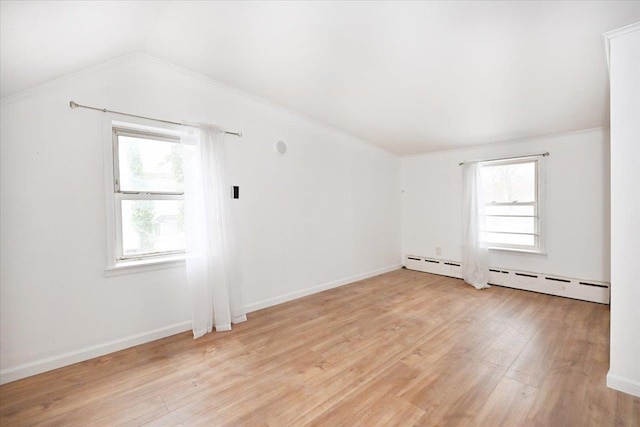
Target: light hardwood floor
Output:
[{"x": 404, "y": 348}]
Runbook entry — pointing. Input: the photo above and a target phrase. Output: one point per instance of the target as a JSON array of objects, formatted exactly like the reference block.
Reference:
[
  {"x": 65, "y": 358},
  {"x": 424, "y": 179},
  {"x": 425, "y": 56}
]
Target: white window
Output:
[
  {"x": 148, "y": 196},
  {"x": 513, "y": 195}
]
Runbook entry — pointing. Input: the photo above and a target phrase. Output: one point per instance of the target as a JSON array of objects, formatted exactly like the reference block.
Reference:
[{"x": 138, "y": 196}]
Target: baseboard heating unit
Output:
[{"x": 587, "y": 290}]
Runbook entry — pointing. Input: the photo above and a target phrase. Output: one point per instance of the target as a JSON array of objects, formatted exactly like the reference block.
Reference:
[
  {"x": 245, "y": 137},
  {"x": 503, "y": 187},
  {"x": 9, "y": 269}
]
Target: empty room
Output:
[{"x": 319, "y": 213}]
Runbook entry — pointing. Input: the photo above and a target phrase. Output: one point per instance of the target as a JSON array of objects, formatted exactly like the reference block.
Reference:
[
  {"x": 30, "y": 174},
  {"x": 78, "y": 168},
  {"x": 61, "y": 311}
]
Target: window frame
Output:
[
  {"x": 117, "y": 263},
  {"x": 539, "y": 204}
]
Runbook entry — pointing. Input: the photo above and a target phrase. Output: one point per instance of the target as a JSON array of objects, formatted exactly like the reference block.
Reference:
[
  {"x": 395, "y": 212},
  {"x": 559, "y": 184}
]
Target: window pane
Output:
[
  {"x": 509, "y": 183},
  {"x": 511, "y": 239},
  {"x": 149, "y": 165},
  {"x": 510, "y": 224},
  {"x": 509, "y": 210},
  {"x": 152, "y": 226}
]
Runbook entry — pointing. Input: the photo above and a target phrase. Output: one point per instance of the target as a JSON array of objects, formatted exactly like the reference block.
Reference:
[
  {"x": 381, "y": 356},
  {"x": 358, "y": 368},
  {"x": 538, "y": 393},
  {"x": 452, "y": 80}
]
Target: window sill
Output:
[
  {"x": 520, "y": 251},
  {"x": 139, "y": 266}
]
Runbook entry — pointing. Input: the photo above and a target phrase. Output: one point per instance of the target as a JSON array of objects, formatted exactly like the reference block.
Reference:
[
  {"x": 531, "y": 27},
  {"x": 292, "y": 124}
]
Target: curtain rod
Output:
[
  {"x": 505, "y": 158},
  {"x": 73, "y": 104}
]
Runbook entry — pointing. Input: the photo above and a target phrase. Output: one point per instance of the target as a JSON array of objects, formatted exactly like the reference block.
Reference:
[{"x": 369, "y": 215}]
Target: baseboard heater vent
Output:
[
  {"x": 527, "y": 275},
  {"x": 581, "y": 289},
  {"x": 555, "y": 279},
  {"x": 594, "y": 284}
]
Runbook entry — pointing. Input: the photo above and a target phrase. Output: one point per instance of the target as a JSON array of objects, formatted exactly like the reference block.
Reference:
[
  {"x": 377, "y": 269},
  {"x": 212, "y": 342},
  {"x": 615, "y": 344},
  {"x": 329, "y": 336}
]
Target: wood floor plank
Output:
[
  {"x": 357, "y": 405},
  {"x": 404, "y": 348},
  {"x": 507, "y": 405}
]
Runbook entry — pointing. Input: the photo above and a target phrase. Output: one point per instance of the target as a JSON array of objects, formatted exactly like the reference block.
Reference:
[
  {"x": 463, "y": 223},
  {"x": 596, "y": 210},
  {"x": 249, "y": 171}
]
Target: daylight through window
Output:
[
  {"x": 148, "y": 195},
  {"x": 513, "y": 206}
]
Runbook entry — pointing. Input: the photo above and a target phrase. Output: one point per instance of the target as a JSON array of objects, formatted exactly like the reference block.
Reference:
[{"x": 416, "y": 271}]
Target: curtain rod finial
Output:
[{"x": 73, "y": 104}]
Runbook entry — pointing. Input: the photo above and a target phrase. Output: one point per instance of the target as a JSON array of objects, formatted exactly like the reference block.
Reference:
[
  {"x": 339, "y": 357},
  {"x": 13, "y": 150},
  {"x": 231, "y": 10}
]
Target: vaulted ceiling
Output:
[{"x": 409, "y": 76}]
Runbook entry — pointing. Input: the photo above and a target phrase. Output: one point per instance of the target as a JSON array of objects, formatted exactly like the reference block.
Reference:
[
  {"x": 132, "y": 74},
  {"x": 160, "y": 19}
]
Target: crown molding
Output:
[
  {"x": 256, "y": 98},
  {"x": 617, "y": 33},
  {"x": 509, "y": 142},
  {"x": 144, "y": 57},
  {"x": 51, "y": 84}
]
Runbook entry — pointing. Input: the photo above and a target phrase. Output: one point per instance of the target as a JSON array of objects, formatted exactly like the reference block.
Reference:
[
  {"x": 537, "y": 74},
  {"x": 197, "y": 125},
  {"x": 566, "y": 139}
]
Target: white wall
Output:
[
  {"x": 624, "y": 373},
  {"x": 577, "y": 208},
  {"x": 326, "y": 213}
]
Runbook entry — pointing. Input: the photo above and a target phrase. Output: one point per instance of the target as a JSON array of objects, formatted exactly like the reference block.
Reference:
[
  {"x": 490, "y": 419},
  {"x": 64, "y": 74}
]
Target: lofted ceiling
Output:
[{"x": 411, "y": 77}]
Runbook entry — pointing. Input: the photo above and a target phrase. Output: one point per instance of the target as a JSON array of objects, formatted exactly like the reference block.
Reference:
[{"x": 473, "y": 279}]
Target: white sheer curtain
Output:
[
  {"x": 475, "y": 255},
  {"x": 212, "y": 268}
]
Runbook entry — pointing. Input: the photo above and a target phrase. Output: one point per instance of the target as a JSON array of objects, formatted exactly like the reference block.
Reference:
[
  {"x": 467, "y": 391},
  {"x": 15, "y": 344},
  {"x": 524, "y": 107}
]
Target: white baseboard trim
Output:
[
  {"x": 50, "y": 363},
  {"x": 552, "y": 284},
  {"x": 319, "y": 288},
  {"x": 55, "y": 362},
  {"x": 623, "y": 384}
]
